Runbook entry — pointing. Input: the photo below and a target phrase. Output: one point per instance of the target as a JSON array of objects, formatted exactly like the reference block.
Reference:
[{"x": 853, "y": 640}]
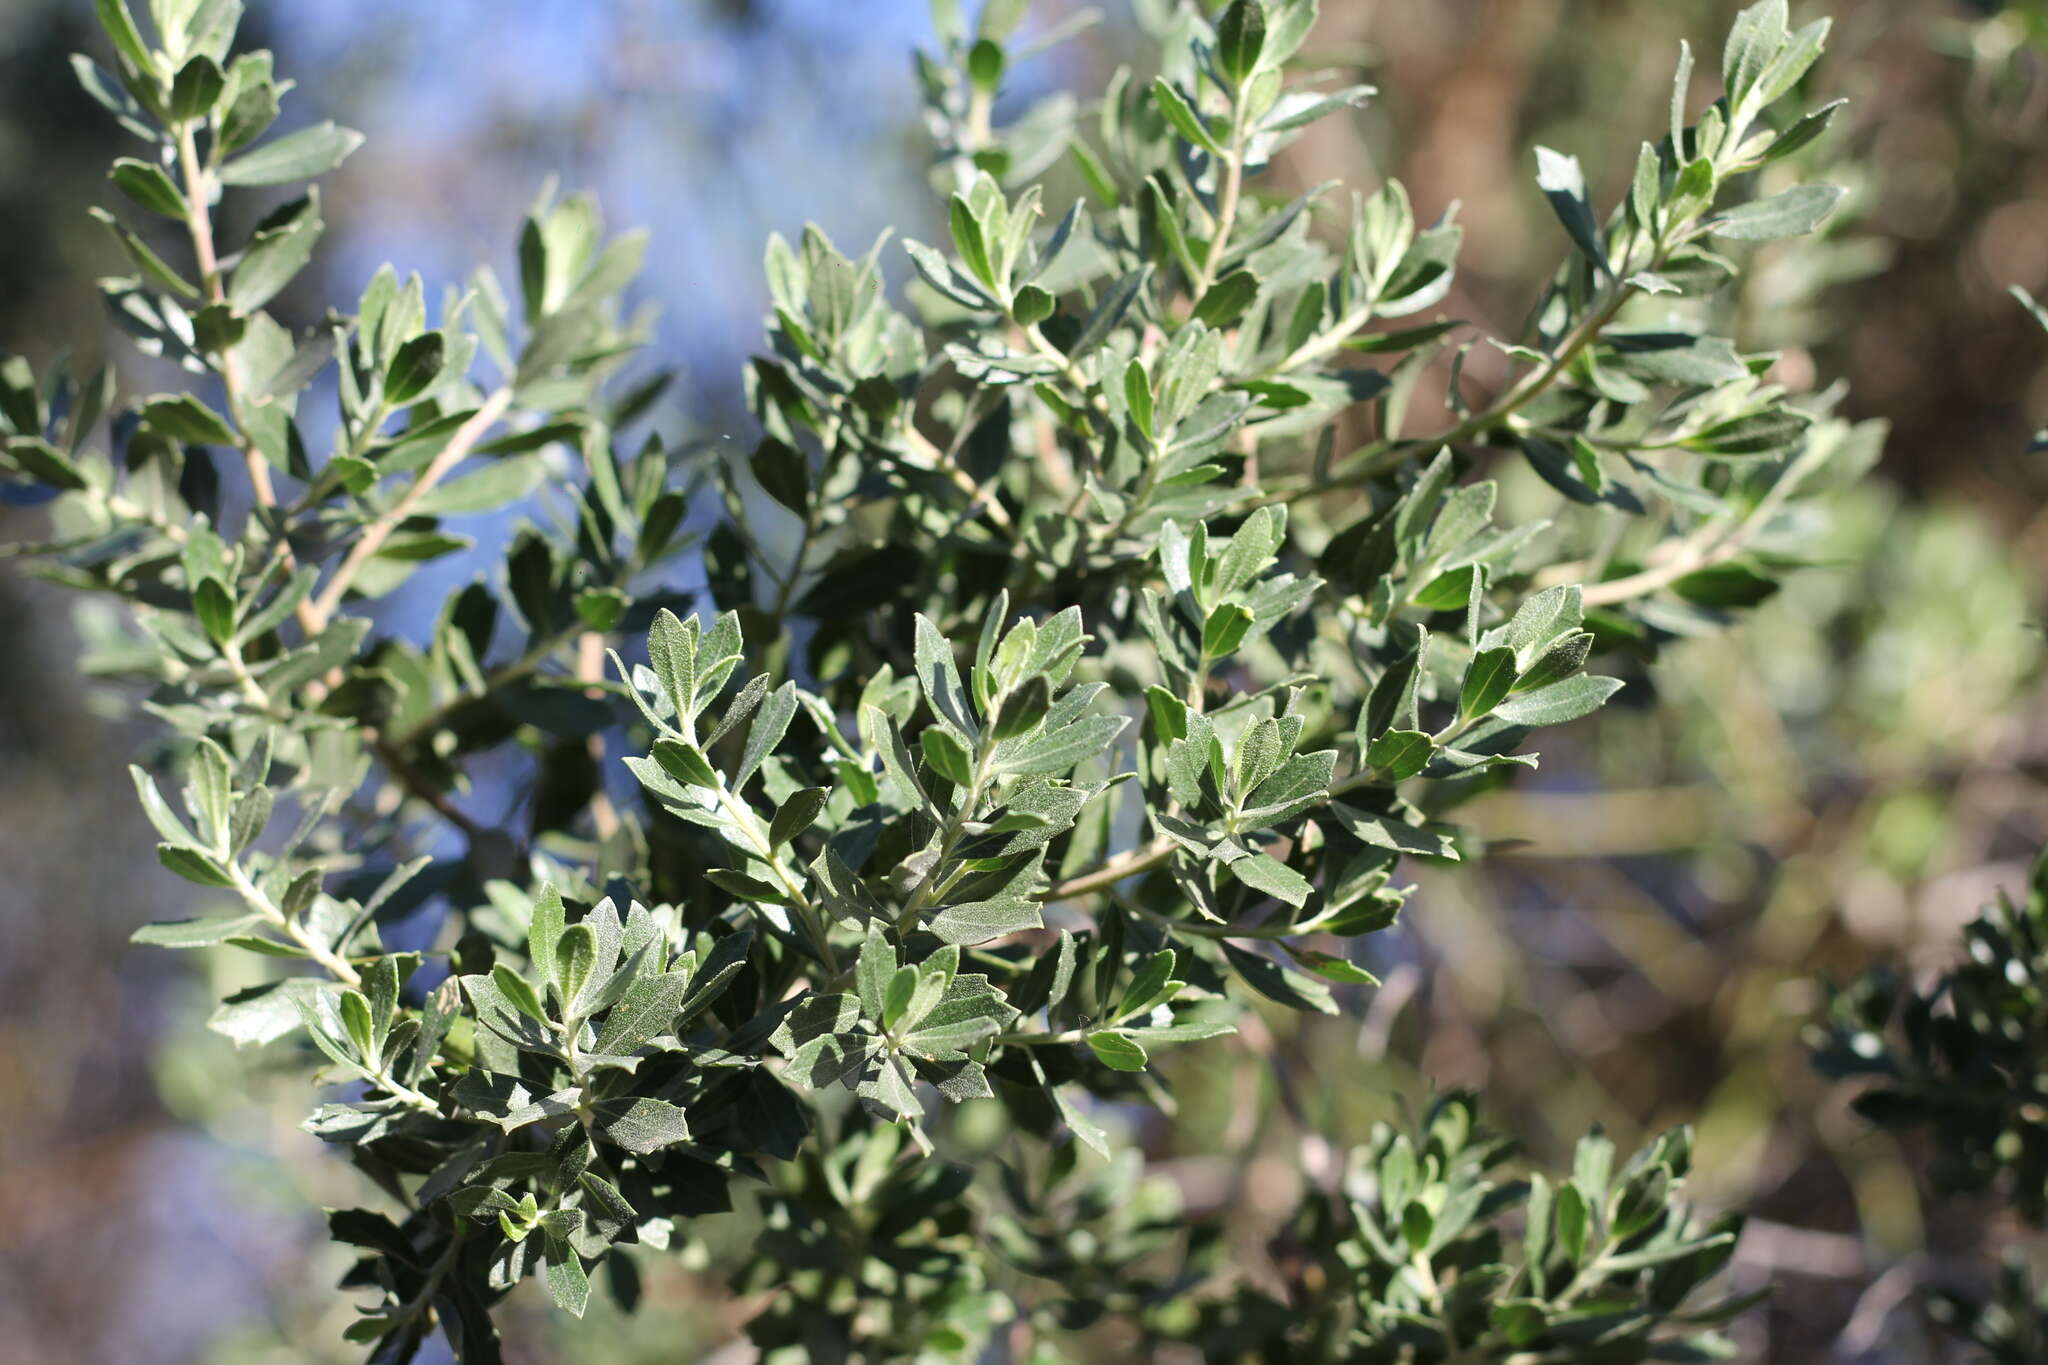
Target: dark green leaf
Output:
[
  {"x": 1490, "y": 677},
  {"x": 149, "y": 186},
  {"x": 1240, "y": 38},
  {"x": 415, "y": 369}
]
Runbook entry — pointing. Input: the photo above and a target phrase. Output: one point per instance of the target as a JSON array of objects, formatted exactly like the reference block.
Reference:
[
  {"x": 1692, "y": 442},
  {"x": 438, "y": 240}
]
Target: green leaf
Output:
[
  {"x": 254, "y": 107},
  {"x": 799, "y": 810},
  {"x": 196, "y": 87},
  {"x": 217, "y": 328},
  {"x": 575, "y": 959},
  {"x": 303, "y": 155},
  {"x": 1400, "y": 754},
  {"x": 1521, "y": 1321},
  {"x": 746, "y": 887},
  {"x": 1564, "y": 184},
  {"x": 1225, "y": 630},
  {"x": 158, "y": 810},
  {"x": 1490, "y": 677},
  {"x": 1803, "y": 132},
  {"x": 544, "y": 931},
  {"x": 109, "y": 92},
  {"x": 1032, "y": 305},
  {"x": 1240, "y": 39},
  {"x": 1227, "y": 300},
  {"x": 481, "y": 1202},
  {"x": 1000, "y": 18},
  {"x": 602, "y": 608},
  {"x": 969, "y": 241},
  {"x": 1559, "y": 702},
  {"x": 1265, "y": 873},
  {"x": 1754, "y": 40},
  {"x": 1022, "y": 710},
  {"x": 354, "y": 1008},
  {"x": 415, "y": 369},
  {"x": 181, "y": 417},
  {"x": 985, "y": 65},
  {"x": 1418, "y": 1226},
  {"x": 1447, "y": 591},
  {"x": 771, "y": 723},
  {"x": 484, "y": 489},
  {"x": 251, "y": 817},
  {"x": 147, "y": 261},
  {"x": 1675, "y": 358},
  {"x": 195, "y": 933},
  {"x": 783, "y": 475},
  {"x": 1270, "y": 979},
  {"x": 1790, "y": 214},
  {"x": 946, "y": 755},
  {"x": 1573, "y": 1219},
  {"x": 1116, "y": 301},
  {"x": 980, "y": 921},
  {"x": 567, "y": 1282},
  {"x": 1138, "y": 396},
  {"x": 262, "y": 1014},
  {"x": 641, "y": 1125},
  {"x": 1733, "y": 584},
  {"x": 897, "y": 994},
  {"x": 1184, "y": 119},
  {"x": 672, "y": 653},
  {"x": 1558, "y": 661},
  {"x": 1338, "y": 969},
  {"x": 211, "y": 796},
  {"x": 518, "y": 992},
  {"x": 1148, "y": 984},
  {"x": 215, "y": 610},
  {"x": 1057, "y": 750},
  {"x": 193, "y": 865},
  {"x": 1117, "y": 1050},
  {"x": 127, "y": 39},
  {"x": 46, "y": 464},
  {"x": 1406, "y": 339},
  {"x": 280, "y": 249},
  {"x": 1770, "y": 432},
  {"x": 148, "y": 186}
]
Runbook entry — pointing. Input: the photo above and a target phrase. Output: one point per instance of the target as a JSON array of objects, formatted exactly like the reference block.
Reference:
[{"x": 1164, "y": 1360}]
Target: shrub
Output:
[
  {"x": 1421, "y": 1252},
  {"x": 1061, "y": 683},
  {"x": 1960, "y": 1061}
]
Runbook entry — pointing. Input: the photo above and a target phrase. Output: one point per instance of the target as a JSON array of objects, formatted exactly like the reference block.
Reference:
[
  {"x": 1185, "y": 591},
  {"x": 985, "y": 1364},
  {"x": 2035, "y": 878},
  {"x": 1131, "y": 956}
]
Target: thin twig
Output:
[
  {"x": 377, "y": 532},
  {"x": 199, "y": 224},
  {"x": 415, "y": 782},
  {"x": 1226, "y": 210},
  {"x": 590, "y": 668}
]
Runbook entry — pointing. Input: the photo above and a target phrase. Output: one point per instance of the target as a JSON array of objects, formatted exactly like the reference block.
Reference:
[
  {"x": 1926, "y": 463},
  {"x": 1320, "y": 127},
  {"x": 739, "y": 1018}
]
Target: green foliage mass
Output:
[
  {"x": 1961, "y": 1061},
  {"x": 1058, "y": 687}
]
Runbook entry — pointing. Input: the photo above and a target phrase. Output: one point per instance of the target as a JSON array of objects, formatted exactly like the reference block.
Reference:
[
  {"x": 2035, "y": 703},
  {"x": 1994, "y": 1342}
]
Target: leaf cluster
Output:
[{"x": 1428, "y": 1249}]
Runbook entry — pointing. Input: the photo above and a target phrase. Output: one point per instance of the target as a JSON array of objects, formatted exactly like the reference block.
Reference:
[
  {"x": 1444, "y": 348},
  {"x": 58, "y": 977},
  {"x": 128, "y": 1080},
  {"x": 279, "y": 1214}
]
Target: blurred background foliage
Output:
[{"x": 1841, "y": 780}]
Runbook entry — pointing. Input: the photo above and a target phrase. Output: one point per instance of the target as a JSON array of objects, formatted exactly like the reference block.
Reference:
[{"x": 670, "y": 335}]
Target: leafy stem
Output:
[
  {"x": 465, "y": 438},
  {"x": 936, "y": 881},
  {"x": 1157, "y": 853},
  {"x": 254, "y": 897},
  {"x": 198, "y": 180},
  {"x": 1226, "y": 201},
  {"x": 813, "y": 920}
]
